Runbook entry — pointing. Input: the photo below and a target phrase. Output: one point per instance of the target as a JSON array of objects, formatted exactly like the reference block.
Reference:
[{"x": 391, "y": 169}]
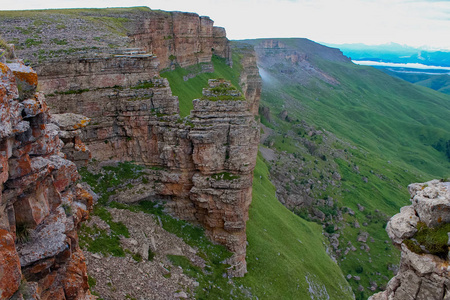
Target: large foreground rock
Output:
[{"x": 421, "y": 276}]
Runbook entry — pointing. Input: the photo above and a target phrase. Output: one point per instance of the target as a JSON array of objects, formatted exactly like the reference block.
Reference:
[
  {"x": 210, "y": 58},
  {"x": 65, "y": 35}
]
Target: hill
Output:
[
  {"x": 437, "y": 82},
  {"x": 343, "y": 141}
]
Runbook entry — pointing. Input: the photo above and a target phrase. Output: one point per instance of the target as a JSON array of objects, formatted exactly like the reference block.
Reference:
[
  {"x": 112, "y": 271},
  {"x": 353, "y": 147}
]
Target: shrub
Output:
[{"x": 329, "y": 228}]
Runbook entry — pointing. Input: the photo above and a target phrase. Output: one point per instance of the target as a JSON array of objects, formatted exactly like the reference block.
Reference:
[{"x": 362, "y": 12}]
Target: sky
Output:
[{"x": 418, "y": 23}]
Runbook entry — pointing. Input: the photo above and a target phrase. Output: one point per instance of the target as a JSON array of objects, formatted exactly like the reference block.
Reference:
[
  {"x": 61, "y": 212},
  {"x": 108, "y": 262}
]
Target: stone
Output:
[
  {"x": 38, "y": 241},
  {"x": 70, "y": 121},
  {"x": 181, "y": 295},
  {"x": 431, "y": 203},
  {"x": 10, "y": 273},
  {"x": 420, "y": 276},
  {"x": 26, "y": 79},
  {"x": 402, "y": 225},
  {"x": 362, "y": 237}
]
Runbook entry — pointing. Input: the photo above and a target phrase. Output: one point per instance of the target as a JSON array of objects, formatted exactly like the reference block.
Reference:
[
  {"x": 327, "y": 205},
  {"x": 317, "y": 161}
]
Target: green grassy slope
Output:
[
  {"x": 286, "y": 255},
  {"x": 437, "y": 82},
  {"x": 192, "y": 88},
  {"x": 285, "y": 252},
  {"x": 389, "y": 117},
  {"x": 391, "y": 134}
]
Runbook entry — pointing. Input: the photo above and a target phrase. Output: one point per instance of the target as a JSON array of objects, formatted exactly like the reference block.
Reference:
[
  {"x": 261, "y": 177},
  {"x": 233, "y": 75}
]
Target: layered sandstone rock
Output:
[
  {"x": 422, "y": 275},
  {"x": 250, "y": 80},
  {"x": 205, "y": 160},
  {"x": 180, "y": 38},
  {"x": 41, "y": 205}
]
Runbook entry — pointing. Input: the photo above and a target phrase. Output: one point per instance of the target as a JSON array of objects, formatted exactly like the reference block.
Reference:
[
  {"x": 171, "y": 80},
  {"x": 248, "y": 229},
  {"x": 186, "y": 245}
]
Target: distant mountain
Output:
[
  {"x": 395, "y": 53},
  {"x": 440, "y": 83}
]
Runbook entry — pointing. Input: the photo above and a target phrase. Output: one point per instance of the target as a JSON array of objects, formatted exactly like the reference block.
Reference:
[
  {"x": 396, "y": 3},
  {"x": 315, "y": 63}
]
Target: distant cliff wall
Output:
[
  {"x": 181, "y": 38},
  {"x": 421, "y": 232},
  {"x": 41, "y": 206},
  {"x": 176, "y": 38}
]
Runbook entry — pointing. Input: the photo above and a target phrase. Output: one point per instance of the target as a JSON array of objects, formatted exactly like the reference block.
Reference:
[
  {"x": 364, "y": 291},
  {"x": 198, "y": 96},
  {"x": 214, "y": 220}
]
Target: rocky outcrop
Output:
[
  {"x": 41, "y": 206},
  {"x": 424, "y": 267},
  {"x": 207, "y": 159}
]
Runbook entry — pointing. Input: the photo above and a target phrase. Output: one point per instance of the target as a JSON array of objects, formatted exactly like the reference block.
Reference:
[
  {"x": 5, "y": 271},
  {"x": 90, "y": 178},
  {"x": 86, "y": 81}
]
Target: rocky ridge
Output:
[
  {"x": 424, "y": 266},
  {"x": 41, "y": 204}
]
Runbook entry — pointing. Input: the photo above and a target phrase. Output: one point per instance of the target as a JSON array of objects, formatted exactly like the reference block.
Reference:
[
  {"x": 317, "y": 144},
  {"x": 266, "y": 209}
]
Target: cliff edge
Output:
[{"x": 421, "y": 231}]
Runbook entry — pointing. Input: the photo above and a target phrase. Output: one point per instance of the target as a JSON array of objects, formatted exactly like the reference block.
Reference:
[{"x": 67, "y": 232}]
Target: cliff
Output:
[
  {"x": 421, "y": 232},
  {"x": 176, "y": 38},
  {"x": 41, "y": 204},
  {"x": 205, "y": 161},
  {"x": 181, "y": 38}
]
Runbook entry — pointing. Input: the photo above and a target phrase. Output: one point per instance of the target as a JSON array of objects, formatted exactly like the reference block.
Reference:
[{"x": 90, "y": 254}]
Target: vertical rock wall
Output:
[
  {"x": 250, "y": 80},
  {"x": 181, "y": 38},
  {"x": 205, "y": 162},
  {"x": 41, "y": 205}
]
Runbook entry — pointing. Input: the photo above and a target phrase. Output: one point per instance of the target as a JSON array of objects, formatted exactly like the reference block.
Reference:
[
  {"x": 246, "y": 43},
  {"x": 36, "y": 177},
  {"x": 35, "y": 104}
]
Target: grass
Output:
[
  {"x": 224, "y": 176},
  {"x": 74, "y": 12},
  {"x": 192, "y": 88},
  {"x": 391, "y": 130},
  {"x": 286, "y": 252},
  {"x": 110, "y": 178},
  {"x": 434, "y": 240}
]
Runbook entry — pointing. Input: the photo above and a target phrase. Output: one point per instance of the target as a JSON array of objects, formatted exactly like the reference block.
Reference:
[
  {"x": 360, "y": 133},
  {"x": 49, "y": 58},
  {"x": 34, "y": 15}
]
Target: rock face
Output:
[
  {"x": 422, "y": 275},
  {"x": 205, "y": 161},
  {"x": 181, "y": 38},
  {"x": 41, "y": 205},
  {"x": 271, "y": 52}
]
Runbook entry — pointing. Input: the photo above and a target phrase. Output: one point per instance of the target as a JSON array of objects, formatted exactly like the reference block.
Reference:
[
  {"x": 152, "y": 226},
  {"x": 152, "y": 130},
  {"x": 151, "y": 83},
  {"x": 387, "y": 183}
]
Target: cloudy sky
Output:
[{"x": 409, "y": 22}]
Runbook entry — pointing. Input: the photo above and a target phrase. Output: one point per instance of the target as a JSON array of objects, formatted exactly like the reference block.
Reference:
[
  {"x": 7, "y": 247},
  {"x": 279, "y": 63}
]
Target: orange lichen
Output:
[
  {"x": 4, "y": 68},
  {"x": 29, "y": 77},
  {"x": 83, "y": 123}
]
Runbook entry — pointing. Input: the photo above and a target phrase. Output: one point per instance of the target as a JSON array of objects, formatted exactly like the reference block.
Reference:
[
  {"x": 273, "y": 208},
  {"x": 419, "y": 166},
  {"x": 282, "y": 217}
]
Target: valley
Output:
[
  {"x": 247, "y": 169},
  {"x": 347, "y": 140}
]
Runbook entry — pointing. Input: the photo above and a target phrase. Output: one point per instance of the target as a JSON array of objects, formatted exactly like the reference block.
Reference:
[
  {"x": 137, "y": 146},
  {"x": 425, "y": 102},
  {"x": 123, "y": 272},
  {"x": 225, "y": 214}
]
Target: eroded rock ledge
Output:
[
  {"x": 41, "y": 206},
  {"x": 420, "y": 231}
]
